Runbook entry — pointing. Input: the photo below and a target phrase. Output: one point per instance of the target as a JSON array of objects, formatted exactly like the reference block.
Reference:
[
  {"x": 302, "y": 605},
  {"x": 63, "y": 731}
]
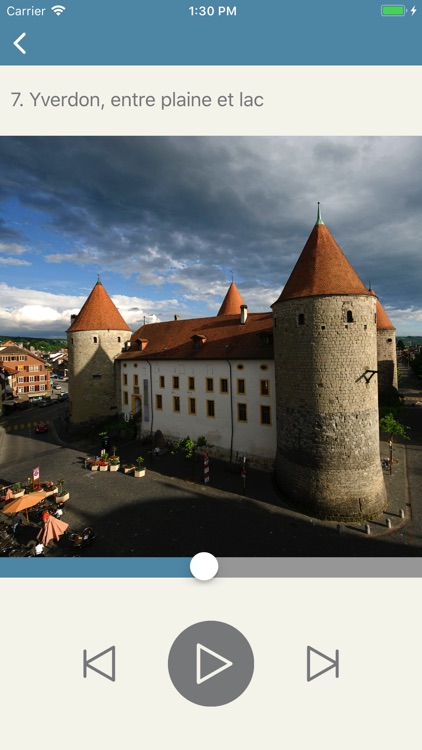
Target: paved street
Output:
[{"x": 165, "y": 514}]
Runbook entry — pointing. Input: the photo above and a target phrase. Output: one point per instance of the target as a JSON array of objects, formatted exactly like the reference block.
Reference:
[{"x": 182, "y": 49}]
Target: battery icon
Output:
[{"x": 393, "y": 10}]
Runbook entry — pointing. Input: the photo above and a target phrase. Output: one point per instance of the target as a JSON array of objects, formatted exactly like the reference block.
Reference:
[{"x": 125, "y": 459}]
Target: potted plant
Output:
[
  {"x": 49, "y": 488},
  {"x": 140, "y": 467},
  {"x": 62, "y": 494},
  {"x": 128, "y": 468},
  {"x": 17, "y": 490},
  {"x": 93, "y": 465},
  {"x": 114, "y": 463},
  {"x": 103, "y": 463},
  {"x": 114, "y": 453}
]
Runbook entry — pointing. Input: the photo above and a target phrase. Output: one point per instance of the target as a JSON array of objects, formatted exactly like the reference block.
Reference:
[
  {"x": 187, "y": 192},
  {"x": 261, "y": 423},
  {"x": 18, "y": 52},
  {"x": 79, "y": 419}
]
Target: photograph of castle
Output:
[{"x": 279, "y": 385}]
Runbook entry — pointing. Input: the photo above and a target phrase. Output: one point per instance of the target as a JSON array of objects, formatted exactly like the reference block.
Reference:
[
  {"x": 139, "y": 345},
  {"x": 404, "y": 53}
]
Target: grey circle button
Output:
[{"x": 211, "y": 663}]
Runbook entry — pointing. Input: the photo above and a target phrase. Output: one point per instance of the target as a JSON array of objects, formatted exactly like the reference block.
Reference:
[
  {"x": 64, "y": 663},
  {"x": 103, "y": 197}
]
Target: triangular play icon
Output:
[
  {"x": 311, "y": 673},
  {"x": 204, "y": 654}
]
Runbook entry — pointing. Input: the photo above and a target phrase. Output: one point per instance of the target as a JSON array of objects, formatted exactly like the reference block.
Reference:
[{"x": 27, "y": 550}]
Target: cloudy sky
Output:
[{"x": 167, "y": 221}]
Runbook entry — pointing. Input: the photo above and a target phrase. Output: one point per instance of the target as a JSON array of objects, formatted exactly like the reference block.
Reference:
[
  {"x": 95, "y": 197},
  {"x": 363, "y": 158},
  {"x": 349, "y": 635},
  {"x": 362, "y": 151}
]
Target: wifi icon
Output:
[{"x": 58, "y": 9}]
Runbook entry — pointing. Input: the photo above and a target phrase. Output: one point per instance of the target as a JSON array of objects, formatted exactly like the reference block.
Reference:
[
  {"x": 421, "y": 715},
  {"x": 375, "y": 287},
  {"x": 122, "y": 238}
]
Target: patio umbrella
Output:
[
  {"x": 24, "y": 502},
  {"x": 53, "y": 529}
]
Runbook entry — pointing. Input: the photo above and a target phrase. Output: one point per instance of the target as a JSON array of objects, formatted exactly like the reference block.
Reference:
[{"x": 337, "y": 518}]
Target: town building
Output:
[{"x": 27, "y": 374}]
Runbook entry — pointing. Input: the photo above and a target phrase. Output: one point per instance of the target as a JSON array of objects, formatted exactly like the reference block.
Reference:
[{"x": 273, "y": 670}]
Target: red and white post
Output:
[{"x": 206, "y": 468}]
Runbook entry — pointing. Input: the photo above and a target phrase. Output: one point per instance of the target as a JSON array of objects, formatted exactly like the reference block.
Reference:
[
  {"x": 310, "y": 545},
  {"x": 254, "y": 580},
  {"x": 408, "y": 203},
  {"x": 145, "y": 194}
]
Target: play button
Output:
[
  {"x": 202, "y": 654},
  {"x": 211, "y": 663}
]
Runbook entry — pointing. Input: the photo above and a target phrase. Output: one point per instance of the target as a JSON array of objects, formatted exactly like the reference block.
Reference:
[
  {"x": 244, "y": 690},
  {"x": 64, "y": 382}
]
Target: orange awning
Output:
[{"x": 24, "y": 502}]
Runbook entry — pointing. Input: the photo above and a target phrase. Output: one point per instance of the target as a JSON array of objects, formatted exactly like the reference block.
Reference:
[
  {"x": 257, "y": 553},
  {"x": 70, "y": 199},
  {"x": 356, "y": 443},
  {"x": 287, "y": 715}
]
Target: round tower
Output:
[
  {"x": 325, "y": 341},
  {"x": 95, "y": 337},
  {"x": 386, "y": 353}
]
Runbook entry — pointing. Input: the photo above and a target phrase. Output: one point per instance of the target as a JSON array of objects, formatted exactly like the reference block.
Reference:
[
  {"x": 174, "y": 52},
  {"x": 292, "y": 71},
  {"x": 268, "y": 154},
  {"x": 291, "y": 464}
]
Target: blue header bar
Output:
[{"x": 237, "y": 32}]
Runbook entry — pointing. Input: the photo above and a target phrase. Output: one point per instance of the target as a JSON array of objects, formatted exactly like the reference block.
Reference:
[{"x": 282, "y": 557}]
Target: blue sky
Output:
[{"x": 167, "y": 221}]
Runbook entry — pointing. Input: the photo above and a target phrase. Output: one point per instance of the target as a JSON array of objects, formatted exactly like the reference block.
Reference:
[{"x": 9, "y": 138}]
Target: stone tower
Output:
[
  {"x": 386, "y": 349},
  {"x": 95, "y": 337},
  {"x": 325, "y": 341}
]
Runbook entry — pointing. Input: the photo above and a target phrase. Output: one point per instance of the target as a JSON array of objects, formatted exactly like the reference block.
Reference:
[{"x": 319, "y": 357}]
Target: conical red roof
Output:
[
  {"x": 232, "y": 301},
  {"x": 99, "y": 313},
  {"x": 383, "y": 321},
  {"x": 322, "y": 268}
]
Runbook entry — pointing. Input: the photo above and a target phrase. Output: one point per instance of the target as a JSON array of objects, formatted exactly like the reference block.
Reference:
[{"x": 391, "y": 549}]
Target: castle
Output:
[{"x": 295, "y": 389}]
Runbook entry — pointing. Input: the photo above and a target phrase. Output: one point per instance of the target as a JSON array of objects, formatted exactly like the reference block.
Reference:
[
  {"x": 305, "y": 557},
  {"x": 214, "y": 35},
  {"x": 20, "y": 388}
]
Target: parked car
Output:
[
  {"x": 41, "y": 427},
  {"x": 57, "y": 387},
  {"x": 63, "y": 396}
]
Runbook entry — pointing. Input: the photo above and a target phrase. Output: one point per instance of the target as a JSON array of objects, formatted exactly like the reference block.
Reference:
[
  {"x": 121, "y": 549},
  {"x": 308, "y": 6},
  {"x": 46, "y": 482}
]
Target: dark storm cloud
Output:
[{"x": 196, "y": 207}]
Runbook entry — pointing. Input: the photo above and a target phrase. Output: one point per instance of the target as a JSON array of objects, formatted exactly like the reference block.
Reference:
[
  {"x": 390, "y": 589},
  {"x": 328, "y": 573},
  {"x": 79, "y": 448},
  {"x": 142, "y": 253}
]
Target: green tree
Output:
[
  {"x": 400, "y": 344},
  {"x": 393, "y": 428}
]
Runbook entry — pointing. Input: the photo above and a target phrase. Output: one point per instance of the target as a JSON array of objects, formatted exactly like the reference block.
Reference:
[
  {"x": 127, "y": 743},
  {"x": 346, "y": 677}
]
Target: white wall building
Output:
[{"x": 211, "y": 377}]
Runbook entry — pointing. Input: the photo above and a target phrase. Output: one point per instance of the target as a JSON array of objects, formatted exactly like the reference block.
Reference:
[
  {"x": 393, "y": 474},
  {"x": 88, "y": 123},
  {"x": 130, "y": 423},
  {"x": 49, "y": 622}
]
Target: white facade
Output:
[{"x": 230, "y": 403}]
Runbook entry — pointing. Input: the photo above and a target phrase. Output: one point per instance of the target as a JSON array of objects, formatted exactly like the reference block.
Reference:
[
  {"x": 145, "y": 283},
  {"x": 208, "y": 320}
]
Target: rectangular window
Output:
[
  {"x": 42, "y": 377},
  {"x": 21, "y": 380},
  {"x": 191, "y": 384},
  {"x": 209, "y": 385},
  {"x": 176, "y": 382},
  {"x": 162, "y": 381},
  {"x": 31, "y": 378},
  {"x": 125, "y": 379},
  {"x": 210, "y": 408},
  {"x": 224, "y": 385},
  {"x": 176, "y": 403},
  {"x": 135, "y": 380},
  {"x": 31, "y": 388},
  {"x": 242, "y": 413},
  {"x": 241, "y": 385},
  {"x": 158, "y": 401},
  {"x": 21, "y": 358},
  {"x": 31, "y": 368},
  {"x": 265, "y": 414},
  {"x": 192, "y": 405},
  {"x": 265, "y": 387},
  {"x": 125, "y": 398}
]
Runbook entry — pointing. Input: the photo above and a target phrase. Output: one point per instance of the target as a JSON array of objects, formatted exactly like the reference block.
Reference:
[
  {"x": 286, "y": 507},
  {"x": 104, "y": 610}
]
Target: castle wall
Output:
[
  {"x": 387, "y": 360},
  {"x": 91, "y": 373},
  {"x": 327, "y": 405}
]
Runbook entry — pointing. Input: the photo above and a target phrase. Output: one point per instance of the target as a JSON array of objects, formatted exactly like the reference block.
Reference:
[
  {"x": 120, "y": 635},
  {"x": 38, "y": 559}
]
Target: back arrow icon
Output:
[{"x": 17, "y": 45}]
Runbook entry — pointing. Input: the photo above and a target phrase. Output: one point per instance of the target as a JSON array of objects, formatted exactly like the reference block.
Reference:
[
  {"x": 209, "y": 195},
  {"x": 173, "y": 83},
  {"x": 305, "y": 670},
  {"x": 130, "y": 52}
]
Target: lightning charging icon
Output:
[{"x": 413, "y": 10}]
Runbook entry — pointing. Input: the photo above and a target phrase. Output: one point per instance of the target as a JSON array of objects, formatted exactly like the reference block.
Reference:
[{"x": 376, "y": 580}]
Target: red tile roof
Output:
[
  {"x": 232, "y": 301},
  {"x": 383, "y": 321},
  {"x": 223, "y": 337},
  {"x": 322, "y": 268},
  {"x": 99, "y": 313}
]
